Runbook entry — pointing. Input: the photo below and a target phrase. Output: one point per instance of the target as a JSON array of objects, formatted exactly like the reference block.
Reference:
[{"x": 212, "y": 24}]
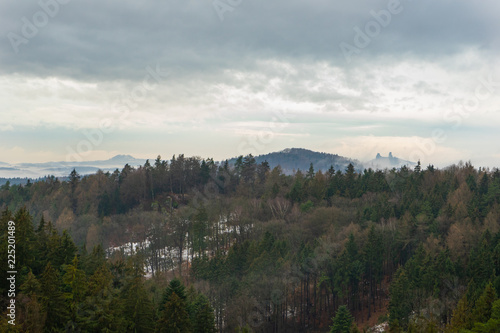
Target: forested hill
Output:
[
  {"x": 415, "y": 248},
  {"x": 293, "y": 159}
]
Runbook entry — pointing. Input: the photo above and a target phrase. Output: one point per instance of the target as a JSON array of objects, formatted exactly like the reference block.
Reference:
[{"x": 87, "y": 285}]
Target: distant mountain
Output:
[
  {"x": 63, "y": 168},
  {"x": 124, "y": 159},
  {"x": 14, "y": 181},
  {"x": 389, "y": 162},
  {"x": 291, "y": 159},
  {"x": 118, "y": 160}
]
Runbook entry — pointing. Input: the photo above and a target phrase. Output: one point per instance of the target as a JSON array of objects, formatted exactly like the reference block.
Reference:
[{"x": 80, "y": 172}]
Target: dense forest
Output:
[
  {"x": 190, "y": 245},
  {"x": 292, "y": 159}
]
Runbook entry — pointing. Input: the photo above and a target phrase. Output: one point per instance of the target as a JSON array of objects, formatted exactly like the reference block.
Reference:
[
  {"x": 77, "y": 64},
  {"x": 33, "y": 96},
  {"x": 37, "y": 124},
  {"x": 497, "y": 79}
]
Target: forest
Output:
[{"x": 191, "y": 245}]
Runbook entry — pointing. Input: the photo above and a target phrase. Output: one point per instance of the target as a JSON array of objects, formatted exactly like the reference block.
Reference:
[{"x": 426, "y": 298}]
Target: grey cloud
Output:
[{"x": 107, "y": 40}]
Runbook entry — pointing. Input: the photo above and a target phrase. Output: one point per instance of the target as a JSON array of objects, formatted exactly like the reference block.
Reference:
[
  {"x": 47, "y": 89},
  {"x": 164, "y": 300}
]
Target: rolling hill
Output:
[{"x": 291, "y": 159}]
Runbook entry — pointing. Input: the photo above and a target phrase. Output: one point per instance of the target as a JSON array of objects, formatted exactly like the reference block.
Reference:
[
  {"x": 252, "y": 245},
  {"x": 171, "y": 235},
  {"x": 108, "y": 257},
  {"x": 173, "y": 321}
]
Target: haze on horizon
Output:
[{"x": 90, "y": 80}]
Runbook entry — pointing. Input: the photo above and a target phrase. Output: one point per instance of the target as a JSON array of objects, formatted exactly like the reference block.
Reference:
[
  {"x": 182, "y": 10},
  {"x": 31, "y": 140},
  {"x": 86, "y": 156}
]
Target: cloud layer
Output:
[{"x": 411, "y": 68}]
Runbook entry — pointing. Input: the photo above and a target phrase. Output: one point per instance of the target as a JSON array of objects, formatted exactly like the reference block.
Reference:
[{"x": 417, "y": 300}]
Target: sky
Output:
[{"x": 87, "y": 80}]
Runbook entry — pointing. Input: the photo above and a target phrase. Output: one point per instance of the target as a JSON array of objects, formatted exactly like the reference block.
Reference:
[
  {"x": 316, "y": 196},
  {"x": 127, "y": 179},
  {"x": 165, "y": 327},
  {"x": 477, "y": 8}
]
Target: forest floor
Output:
[
  {"x": 374, "y": 318},
  {"x": 380, "y": 310}
]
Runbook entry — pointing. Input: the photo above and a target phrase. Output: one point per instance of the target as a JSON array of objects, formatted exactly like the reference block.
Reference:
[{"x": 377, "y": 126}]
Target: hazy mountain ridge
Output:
[
  {"x": 116, "y": 160},
  {"x": 63, "y": 168},
  {"x": 290, "y": 160}
]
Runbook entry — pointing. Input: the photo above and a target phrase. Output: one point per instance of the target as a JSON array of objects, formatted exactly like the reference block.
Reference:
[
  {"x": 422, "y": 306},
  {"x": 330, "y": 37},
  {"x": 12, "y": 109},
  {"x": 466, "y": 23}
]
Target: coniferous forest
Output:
[{"x": 190, "y": 245}]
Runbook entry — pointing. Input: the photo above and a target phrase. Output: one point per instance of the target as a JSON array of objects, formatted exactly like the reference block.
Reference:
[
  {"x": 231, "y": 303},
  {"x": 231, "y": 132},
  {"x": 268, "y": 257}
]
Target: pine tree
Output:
[
  {"x": 296, "y": 193},
  {"x": 101, "y": 311},
  {"x": 373, "y": 251},
  {"x": 95, "y": 260},
  {"x": 248, "y": 169},
  {"x": 75, "y": 280},
  {"x": 74, "y": 178},
  {"x": 342, "y": 321},
  {"x": 138, "y": 309},
  {"x": 25, "y": 237},
  {"x": 204, "y": 321},
  {"x": 53, "y": 302},
  {"x": 350, "y": 181},
  {"x": 493, "y": 324},
  {"x": 482, "y": 309},
  {"x": 400, "y": 304},
  {"x": 34, "y": 317},
  {"x": 175, "y": 286},
  {"x": 460, "y": 318},
  {"x": 65, "y": 251},
  {"x": 175, "y": 318},
  {"x": 310, "y": 173}
]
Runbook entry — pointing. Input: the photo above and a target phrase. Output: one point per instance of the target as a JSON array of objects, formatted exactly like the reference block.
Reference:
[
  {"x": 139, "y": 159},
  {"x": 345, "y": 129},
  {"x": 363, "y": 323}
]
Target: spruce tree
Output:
[
  {"x": 176, "y": 286},
  {"x": 137, "y": 307},
  {"x": 342, "y": 321},
  {"x": 482, "y": 309},
  {"x": 33, "y": 315},
  {"x": 53, "y": 302},
  {"x": 175, "y": 318},
  {"x": 460, "y": 318},
  {"x": 204, "y": 320}
]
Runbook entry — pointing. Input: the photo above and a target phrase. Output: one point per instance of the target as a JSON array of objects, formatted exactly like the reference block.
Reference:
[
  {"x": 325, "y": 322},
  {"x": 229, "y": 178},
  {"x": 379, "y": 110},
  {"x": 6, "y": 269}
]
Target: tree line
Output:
[
  {"x": 275, "y": 252},
  {"x": 61, "y": 288}
]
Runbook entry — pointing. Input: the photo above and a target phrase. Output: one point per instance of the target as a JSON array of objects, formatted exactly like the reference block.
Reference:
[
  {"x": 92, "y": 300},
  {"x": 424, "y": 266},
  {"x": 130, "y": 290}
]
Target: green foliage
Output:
[
  {"x": 461, "y": 317},
  {"x": 204, "y": 321},
  {"x": 342, "y": 321},
  {"x": 493, "y": 323},
  {"x": 175, "y": 318},
  {"x": 306, "y": 206},
  {"x": 76, "y": 283},
  {"x": 175, "y": 286},
  {"x": 273, "y": 250},
  {"x": 400, "y": 305},
  {"x": 483, "y": 306},
  {"x": 53, "y": 300},
  {"x": 83, "y": 294}
]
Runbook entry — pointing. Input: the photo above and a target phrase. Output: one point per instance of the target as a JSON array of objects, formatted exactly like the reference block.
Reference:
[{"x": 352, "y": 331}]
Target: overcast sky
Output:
[{"x": 92, "y": 79}]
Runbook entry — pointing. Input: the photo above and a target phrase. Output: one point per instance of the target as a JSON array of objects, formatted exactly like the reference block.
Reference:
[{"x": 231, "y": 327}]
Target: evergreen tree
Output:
[
  {"x": 350, "y": 182},
  {"x": 65, "y": 251},
  {"x": 34, "y": 317},
  {"x": 460, "y": 318},
  {"x": 400, "y": 303},
  {"x": 342, "y": 321},
  {"x": 175, "y": 318},
  {"x": 95, "y": 260},
  {"x": 25, "y": 238},
  {"x": 248, "y": 169},
  {"x": 74, "y": 178},
  {"x": 493, "y": 324},
  {"x": 175, "y": 286},
  {"x": 75, "y": 280},
  {"x": 102, "y": 310},
  {"x": 52, "y": 300},
  {"x": 310, "y": 173},
  {"x": 482, "y": 309},
  {"x": 137, "y": 307},
  {"x": 204, "y": 321}
]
